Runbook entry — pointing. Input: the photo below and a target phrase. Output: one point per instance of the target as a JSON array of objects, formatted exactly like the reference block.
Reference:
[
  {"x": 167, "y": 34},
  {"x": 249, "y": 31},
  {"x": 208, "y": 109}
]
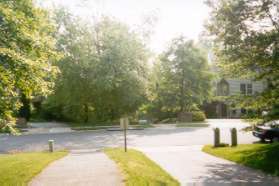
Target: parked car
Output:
[{"x": 268, "y": 130}]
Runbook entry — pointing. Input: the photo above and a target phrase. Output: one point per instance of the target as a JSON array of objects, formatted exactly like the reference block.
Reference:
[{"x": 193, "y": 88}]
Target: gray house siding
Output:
[
  {"x": 234, "y": 86},
  {"x": 229, "y": 87}
]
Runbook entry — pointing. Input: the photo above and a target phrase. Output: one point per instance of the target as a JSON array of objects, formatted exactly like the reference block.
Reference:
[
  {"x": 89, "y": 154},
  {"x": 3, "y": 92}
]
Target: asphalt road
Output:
[{"x": 163, "y": 135}]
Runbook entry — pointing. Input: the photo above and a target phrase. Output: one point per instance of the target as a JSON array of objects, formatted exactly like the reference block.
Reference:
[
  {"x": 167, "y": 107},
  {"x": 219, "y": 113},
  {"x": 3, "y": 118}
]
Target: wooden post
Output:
[
  {"x": 50, "y": 145},
  {"x": 216, "y": 137},
  {"x": 233, "y": 137}
]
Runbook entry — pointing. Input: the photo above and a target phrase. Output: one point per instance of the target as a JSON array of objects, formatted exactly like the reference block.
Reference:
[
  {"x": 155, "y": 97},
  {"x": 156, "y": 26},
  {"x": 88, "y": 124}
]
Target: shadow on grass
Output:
[{"x": 264, "y": 157}]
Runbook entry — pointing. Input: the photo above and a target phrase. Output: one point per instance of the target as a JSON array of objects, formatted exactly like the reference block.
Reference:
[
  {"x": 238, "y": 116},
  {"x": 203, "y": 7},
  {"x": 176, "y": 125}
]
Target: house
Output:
[{"x": 229, "y": 87}]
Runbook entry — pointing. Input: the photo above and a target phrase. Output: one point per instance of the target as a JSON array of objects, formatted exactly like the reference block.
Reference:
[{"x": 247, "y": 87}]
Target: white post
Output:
[{"x": 50, "y": 145}]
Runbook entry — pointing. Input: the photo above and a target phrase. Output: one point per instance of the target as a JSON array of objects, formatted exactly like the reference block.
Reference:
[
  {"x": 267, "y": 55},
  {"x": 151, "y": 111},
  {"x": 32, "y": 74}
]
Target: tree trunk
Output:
[
  {"x": 182, "y": 92},
  {"x": 25, "y": 109},
  {"x": 86, "y": 113}
]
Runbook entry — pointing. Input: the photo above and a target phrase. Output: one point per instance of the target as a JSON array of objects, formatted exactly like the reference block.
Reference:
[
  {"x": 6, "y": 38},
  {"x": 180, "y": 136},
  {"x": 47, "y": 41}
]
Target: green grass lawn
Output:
[
  {"x": 138, "y": 169},
  {"x": 259, "y": 156},
  {"x": 82, "y": 128},
  {"x": 192, "y": 124},
  {"x": 20, "y": 168}
]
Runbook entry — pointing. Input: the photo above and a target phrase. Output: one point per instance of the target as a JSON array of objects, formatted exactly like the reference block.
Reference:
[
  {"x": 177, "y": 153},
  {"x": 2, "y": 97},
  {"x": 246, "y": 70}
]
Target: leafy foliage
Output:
[
  {"x": 246, "y": 39},
  {"x": 181, "y": 80},
  {"x": 9, "y": 129},
  {"x": 103, "y": 72},
  {"x": 198, "y": 116},
  {"x": 27, "y": 52}
]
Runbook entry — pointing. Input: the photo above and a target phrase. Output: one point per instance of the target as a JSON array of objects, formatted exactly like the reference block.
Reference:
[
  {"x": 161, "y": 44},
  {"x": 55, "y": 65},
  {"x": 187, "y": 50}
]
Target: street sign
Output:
[{"x": 124, "y": 123}]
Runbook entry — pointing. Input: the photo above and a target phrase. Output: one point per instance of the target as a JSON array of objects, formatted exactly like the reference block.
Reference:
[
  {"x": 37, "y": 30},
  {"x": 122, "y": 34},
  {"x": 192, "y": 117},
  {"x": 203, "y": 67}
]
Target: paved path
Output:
[
  {"x": 80, "y": 168},
  {"x": 191, "y": 166}
]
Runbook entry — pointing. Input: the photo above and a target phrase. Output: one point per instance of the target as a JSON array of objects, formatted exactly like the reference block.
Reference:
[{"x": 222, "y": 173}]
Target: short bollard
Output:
[
  {"x": 50, "y": 145},
  {"x": 216, "y": 137},
  {"x": 233, "y": 137}
]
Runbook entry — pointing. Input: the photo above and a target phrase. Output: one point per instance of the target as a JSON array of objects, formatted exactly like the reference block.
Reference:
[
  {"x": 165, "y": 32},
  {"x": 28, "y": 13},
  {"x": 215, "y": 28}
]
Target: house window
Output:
[
  {"x": 243, "y": 89},
  {"x": 249, "y": 89},
  {"x": 246, "y": 89}
]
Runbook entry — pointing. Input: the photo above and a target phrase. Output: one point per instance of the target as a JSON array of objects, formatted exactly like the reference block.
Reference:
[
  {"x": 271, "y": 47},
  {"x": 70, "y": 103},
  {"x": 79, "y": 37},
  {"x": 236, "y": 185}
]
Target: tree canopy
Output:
[
  {"x": 27, "y": 53},
  {"x": 181, "y": 80},
  {"x": 246, "y": 39},
  {"x": 103, "y": 73}
]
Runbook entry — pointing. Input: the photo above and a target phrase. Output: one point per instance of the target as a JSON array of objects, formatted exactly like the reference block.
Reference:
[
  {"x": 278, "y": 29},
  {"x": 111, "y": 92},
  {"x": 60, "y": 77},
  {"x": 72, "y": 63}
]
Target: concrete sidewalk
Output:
[
  {"x": 190, "y": 166},
  {"x": 80, "y": 168}
]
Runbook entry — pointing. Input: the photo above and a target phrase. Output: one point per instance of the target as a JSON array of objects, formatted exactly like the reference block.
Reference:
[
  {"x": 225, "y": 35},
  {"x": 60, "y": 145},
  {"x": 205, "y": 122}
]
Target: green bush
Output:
[
  {"x": 2, "y": 123},
  {"x": 198, "y": 116},
  {"x": 273, "y": 114},
  {"x": 8, "y": 126},
  {"x": 9, "y": 129}
]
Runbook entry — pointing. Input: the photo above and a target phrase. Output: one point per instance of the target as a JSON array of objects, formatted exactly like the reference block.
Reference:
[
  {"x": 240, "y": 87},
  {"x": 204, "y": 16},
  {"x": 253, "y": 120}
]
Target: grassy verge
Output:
[
  {"x": 19, "y": 169},
  {"x": 138, "y": 169},
  {"x": 259, "y": 156},
  {"x": 192, "y": 124},
  {"x": 82, "y": 128}
]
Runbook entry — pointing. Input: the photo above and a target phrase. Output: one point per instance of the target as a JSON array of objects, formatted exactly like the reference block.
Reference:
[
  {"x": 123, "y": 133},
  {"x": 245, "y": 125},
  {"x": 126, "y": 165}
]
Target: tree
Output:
[
  {"x": 182, "y": 78},
  {"x": 103, "y": 72},
  {"x": 246, "y": 39},
  {"x": 27, "y": 53}
]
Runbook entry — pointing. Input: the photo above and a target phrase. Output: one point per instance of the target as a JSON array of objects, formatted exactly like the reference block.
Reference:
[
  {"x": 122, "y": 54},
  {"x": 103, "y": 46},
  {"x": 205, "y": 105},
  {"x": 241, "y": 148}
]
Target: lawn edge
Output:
[
  {"x": 48, "y": 164},
  {"x": 125, "y": 175},
  {"x": 236, "y": 162}
]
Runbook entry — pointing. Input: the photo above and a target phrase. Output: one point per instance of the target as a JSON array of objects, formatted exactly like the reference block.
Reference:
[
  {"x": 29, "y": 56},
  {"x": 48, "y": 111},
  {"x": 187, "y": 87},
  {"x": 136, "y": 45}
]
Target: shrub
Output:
[
  {"x": 198, "y": 116},
  {"x": 6, "y": 127}
]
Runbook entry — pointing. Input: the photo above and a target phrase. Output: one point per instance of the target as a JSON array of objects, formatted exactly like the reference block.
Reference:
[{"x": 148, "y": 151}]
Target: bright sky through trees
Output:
[{"x": 175, "y": 17}]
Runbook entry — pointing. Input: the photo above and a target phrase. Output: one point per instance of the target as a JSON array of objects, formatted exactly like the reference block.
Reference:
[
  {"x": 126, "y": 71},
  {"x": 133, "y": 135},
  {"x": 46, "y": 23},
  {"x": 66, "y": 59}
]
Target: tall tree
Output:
[
  {"x": 246, "y": 38},
  {"x": 103, "y": 73},
  {"x": 182, "y": 80},
  {"x": 27, "y": 53}
]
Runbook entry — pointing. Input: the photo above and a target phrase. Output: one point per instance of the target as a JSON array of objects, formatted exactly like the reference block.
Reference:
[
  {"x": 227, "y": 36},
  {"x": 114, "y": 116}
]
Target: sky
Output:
[{"x": 174, "y": 17}]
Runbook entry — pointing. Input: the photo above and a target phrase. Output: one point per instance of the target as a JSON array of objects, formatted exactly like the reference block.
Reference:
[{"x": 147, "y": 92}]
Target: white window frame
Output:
[{"x": 248, "y": 88}]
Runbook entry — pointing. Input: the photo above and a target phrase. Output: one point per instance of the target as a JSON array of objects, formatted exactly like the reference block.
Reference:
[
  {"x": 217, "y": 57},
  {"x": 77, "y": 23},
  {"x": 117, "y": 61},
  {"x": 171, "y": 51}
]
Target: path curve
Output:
[{"x": 190, "y": 166}]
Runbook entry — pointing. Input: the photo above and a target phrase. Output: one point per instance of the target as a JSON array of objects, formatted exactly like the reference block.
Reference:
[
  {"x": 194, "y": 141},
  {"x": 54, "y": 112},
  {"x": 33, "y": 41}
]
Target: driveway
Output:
[{"x": 190, "y": 166}]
